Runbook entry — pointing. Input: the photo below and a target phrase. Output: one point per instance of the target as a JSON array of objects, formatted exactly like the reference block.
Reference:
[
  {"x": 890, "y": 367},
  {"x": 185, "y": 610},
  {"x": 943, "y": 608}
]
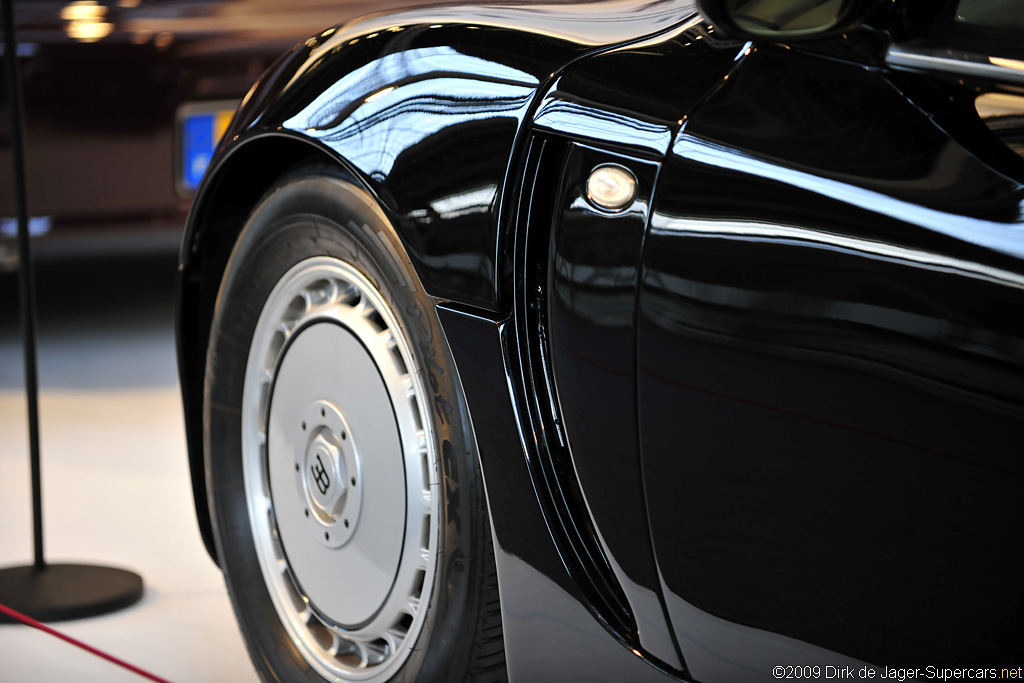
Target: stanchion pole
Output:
[
  {"x": 58, "y": 591},
  {"x": 26, "y": 276}
]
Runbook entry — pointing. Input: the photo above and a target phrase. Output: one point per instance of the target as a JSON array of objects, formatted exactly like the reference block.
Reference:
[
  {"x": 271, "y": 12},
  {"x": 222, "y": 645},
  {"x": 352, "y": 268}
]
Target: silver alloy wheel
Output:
[{"x": 339, "y": 470}]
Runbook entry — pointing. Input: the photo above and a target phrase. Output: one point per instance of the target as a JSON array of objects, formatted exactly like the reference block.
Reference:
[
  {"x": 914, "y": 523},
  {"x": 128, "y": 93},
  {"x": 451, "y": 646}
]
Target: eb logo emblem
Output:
[{"x": 320, "y": 476}]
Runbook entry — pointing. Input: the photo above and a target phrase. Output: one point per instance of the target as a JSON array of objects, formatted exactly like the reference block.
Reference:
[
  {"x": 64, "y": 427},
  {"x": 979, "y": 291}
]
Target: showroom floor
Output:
[{"x": 115, "y": 480}]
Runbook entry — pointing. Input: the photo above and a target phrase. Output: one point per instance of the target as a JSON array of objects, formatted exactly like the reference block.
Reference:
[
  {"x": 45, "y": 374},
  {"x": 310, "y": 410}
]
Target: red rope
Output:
[{"x": 29, "y": 621}]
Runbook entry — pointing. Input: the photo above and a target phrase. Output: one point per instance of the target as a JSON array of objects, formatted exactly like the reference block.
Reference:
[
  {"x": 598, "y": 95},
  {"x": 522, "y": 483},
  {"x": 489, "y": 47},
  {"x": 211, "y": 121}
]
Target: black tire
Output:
[{"x": 315, "y": 217}]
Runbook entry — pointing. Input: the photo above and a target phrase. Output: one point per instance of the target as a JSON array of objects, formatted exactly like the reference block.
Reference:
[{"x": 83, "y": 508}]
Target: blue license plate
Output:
[{"x": 201, "y": 126}]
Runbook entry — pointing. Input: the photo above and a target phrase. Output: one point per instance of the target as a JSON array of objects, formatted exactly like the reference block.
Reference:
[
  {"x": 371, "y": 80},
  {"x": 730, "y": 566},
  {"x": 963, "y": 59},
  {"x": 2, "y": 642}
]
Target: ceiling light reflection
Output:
[
  {"x": 86, "y": 21},
  {"x": 1015, "y": 64},
  {"x": 379, "y": 94},
  {"x": 82, "y": 11}
]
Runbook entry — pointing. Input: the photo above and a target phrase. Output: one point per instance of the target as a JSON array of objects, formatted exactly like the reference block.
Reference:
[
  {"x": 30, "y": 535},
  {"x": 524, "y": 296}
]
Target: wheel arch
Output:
[{"x": 218, "y": 214}]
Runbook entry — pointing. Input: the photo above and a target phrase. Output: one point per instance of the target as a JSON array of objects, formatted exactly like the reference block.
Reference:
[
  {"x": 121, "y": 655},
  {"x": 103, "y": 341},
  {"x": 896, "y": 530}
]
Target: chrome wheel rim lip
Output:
[{"x": 328, "y": 297}]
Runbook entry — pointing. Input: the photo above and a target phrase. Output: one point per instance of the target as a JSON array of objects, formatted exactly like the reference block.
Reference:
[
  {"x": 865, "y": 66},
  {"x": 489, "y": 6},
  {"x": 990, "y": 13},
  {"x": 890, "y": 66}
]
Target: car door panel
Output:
[{"x": 830, "y": 387}]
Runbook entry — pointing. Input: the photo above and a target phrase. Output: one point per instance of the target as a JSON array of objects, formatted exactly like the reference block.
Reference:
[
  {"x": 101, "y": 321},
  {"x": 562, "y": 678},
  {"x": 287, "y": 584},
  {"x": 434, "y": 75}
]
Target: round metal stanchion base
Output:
[{"x": 59, "y": 592}]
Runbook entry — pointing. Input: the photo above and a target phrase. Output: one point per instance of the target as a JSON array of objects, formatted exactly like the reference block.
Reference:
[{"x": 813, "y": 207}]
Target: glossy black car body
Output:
[{"x": 772, "y": 413}]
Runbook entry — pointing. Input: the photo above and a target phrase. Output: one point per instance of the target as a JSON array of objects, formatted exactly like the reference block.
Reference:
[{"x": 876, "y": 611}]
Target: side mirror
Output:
[{"x": 785, "y": 19}]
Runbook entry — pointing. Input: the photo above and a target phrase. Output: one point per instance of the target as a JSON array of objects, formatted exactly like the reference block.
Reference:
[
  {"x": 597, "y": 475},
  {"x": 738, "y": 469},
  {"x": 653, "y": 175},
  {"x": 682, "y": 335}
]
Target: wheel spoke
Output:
[
  {"x": 336, "y": 643},
  {"x": 393, "y": 639},
  {"x": 377, "y": 651},
  {"x": 345, "y": 650},
  {"x": 344, "y": 293},
  {"x": 363, "y": 309},
  {"x": 364, "y": 654}
]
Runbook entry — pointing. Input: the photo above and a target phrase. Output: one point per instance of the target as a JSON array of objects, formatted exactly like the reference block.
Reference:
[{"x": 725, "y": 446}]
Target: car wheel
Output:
[{"x": 345, "y": 490}]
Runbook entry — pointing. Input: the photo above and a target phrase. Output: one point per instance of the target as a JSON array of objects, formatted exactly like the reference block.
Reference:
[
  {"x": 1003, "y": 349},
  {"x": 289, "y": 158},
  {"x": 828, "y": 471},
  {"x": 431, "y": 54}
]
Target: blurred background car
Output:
[{"x": 124, "y": 102}]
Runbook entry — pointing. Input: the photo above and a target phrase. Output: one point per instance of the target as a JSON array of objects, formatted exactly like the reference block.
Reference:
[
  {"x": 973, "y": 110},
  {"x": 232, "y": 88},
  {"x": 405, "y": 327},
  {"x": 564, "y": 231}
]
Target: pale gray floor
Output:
[{"x": 115, "y": 478}]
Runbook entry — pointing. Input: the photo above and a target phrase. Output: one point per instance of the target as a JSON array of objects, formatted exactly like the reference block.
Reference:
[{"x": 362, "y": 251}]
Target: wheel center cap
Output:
[
  {"x": 339, "y": 522},
  {"x": 325, "y": 476},
  {"x": 329, "y": 474}
]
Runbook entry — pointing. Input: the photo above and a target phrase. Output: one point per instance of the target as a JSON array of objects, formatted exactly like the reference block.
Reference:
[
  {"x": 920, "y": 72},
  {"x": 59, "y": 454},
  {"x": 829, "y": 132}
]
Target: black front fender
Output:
[{"x": 424, "y": 110}]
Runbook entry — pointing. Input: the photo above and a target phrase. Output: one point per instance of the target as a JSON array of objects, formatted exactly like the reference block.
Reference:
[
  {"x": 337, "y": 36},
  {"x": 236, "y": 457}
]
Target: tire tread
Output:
[{"x": 487, "y": 657}]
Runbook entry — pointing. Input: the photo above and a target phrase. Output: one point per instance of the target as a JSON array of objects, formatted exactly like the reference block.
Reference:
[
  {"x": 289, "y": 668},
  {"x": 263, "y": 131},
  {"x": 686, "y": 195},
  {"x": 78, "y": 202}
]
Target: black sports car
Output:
[{"x": 619, "y": 342}]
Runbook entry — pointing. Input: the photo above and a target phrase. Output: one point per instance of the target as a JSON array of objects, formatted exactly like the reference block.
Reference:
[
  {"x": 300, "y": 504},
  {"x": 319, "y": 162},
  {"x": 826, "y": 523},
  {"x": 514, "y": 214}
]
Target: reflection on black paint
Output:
[
  {"x": 831, "y": 378},
  {"x": 460, "y": 112},
  {"x": 394, "y": 103},
  {"x": 590, "y": 122},
  {"x": 999, "y": 210}
]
